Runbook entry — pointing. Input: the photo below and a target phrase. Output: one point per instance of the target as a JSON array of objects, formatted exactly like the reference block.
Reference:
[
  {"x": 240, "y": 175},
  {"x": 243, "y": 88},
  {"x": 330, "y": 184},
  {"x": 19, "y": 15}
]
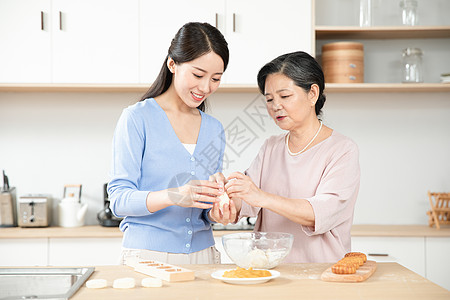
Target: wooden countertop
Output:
[
  {"x": 96, "y": 231},
  {"x": 400, "y": 230},
  {"x": 390, "y": 281}
]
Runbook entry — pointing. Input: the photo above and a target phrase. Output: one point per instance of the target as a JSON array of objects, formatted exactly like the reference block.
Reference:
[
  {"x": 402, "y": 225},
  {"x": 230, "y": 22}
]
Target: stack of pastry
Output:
[{"x": 350, "y": 263}]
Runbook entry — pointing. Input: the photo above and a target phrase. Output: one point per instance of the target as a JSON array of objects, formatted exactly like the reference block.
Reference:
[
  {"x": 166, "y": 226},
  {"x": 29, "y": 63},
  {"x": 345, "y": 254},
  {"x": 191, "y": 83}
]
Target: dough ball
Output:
[
  {"x": 96, "y": 284},
  {"x": 223, "y": 199},
  {"x": 258, "y": 258},
  {"x": 124, "y": 283},
  {"x": 151, "y": 282}
]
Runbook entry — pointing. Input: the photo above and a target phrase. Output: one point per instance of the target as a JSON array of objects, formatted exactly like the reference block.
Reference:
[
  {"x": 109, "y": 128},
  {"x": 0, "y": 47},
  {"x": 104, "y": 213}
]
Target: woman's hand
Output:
[
  {"x": 220, "y": 179},
  {"x": 241, "y": 188},
  {"x": 228, "y": 212},
  {"x": 196, "y": 193},
  {"x": 226, "y": 215}
]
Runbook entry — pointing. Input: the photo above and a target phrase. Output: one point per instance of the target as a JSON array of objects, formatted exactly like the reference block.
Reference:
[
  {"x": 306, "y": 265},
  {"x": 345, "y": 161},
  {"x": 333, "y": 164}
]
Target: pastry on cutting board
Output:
[
  {"x": 357, "y": 254},
  {"x": 350, "y": 263},
  {"x": 339, "y": 268},
  {"x": 358, "y": 261}
]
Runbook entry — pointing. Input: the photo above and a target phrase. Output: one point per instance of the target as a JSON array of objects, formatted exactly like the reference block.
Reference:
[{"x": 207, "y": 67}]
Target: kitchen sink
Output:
[{"x": 41, "y": 283}]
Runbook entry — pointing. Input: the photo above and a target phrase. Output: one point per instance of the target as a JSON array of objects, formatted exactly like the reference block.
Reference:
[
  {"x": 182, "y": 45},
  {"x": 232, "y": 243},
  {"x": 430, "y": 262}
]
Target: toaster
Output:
[{"x": 34, "y": 210}]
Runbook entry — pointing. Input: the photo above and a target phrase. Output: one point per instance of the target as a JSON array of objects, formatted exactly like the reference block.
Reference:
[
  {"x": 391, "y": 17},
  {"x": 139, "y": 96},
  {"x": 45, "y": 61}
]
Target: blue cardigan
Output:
[{"x": 148, "y": 156}]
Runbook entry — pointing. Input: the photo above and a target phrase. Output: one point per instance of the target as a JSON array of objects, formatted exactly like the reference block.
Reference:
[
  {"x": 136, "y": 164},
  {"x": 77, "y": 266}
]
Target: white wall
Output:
[{"x": 48, "y": 140}]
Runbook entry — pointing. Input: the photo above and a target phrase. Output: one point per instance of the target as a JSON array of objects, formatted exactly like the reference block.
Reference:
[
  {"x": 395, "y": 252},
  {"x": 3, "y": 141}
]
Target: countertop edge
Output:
[
  {"x": 90, "y": 231},
  {"x": 96, "y": 231}
]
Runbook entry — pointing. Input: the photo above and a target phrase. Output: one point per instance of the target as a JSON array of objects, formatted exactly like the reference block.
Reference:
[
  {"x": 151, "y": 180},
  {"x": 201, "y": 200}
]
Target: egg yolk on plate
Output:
[{"x": 246, "y": 273}]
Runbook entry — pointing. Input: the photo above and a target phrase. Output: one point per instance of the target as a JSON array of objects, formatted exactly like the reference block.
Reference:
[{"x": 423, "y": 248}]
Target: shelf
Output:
[
  {"x": 106, "y": 88},
  {"x": 386, "y": 87},
  {"x": 140, "y": 88},
  {"x": 385, "y": 32}
]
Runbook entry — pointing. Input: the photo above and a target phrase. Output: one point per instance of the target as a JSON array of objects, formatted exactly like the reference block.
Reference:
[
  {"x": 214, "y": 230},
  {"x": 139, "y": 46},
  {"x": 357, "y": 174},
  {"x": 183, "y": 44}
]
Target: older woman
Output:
[{"x": 305, "y": 181}]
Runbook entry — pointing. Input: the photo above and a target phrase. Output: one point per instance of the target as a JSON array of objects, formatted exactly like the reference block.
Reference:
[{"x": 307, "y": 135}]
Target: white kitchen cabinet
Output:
[
  {"x": 407, "y": 251},
  {"x": 84, "y": 251},
  {"x": 159, "y": 24},
  {"x": 64, "y": 41},
  {"x": 438, "y": 260},
  {"x": 95, "y": 41},
  {"x": 119, "y": 41},
  {"x": 23, "y": 252},
  {"x": 260, "y": 30},
  {"x": 25, "y": 52},
  {"x": 257, "y": 31}
]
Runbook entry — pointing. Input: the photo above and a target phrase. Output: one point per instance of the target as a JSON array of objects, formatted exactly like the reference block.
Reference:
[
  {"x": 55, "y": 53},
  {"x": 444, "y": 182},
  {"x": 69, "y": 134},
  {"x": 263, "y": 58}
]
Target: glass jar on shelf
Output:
[
  {"x": 365, "y": 13},
  {"x": 412, "y": 65},
  {"x": 409, "y": 12}
]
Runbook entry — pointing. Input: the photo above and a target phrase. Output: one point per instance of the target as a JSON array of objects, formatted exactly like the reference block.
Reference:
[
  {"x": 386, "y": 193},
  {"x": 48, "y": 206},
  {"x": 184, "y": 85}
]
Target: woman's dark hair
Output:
[
  {"x": 191, "y": 41},
  {"x": 302, "y": 68}
]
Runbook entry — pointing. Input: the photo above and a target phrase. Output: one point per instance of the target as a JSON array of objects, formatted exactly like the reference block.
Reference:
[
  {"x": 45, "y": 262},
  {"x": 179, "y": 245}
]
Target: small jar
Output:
[
  {"x": 365, "y": 13},
  {"x": 409, "y": 12},
  {"x": 412, "y": 65}
]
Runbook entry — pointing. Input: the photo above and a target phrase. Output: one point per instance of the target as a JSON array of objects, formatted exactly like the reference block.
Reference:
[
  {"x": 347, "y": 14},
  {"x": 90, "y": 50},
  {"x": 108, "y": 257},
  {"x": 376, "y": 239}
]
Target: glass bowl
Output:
[{"x": 259, "y": 250}]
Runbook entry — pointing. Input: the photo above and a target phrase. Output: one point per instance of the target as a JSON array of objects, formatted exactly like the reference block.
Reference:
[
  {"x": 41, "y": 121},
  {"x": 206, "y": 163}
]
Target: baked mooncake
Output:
[
  {"x": 343, "y": 269},
  {"x": 349, "y": 264},
  {"x": 357, "y": 254}
]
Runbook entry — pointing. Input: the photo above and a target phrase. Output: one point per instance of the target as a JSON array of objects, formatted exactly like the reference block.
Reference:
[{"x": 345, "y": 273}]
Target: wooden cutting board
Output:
[{"x": 361, "y": 274}]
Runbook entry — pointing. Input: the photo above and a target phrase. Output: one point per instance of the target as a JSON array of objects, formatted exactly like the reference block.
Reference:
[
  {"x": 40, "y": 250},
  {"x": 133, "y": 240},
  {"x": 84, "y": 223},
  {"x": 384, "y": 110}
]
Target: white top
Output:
[{"x": 190, "y": 148}]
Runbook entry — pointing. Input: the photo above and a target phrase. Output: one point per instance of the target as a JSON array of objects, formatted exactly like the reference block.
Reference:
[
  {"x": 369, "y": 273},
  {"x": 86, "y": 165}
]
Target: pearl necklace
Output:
[{"x": 310, "y": 142}]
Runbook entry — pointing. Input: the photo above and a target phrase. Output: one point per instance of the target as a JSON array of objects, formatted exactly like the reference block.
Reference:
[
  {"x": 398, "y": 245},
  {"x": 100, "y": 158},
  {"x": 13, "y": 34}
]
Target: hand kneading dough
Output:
[
  {"x": 151, "y": 282},
  {"x": 223, "y": 199},
  {"x": 124, "y": 283},
  {"x": 96, "y": 284}
]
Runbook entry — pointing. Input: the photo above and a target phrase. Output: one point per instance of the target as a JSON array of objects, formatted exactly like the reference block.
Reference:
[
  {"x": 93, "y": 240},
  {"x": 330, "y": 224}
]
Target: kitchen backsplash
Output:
[{"x": 52, "y": 139}]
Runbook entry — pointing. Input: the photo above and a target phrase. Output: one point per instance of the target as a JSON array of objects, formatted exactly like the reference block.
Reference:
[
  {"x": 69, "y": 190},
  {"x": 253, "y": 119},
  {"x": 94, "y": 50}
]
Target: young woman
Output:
[
  {"x": 165, "y": 149},
  {"x": 306, "y": 181}
]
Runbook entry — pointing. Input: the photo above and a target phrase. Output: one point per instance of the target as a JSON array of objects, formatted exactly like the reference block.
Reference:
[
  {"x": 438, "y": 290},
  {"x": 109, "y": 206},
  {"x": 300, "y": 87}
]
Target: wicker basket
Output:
[{"x": 343, "y": 62}]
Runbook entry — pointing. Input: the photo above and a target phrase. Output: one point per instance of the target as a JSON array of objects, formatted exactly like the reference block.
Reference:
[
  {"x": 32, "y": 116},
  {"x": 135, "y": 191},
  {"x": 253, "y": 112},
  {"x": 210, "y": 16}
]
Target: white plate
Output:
[{"x": 219, "y": 275}]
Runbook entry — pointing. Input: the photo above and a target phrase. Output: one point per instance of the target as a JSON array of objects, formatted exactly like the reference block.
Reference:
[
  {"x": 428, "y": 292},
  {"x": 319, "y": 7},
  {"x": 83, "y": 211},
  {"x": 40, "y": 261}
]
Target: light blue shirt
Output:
[{"x": 148, "y": 156}]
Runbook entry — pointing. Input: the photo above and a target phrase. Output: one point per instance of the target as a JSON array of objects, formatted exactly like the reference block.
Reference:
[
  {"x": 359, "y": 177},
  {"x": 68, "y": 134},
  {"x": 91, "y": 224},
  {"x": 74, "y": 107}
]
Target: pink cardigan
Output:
[{"x": 327, "y": 175}]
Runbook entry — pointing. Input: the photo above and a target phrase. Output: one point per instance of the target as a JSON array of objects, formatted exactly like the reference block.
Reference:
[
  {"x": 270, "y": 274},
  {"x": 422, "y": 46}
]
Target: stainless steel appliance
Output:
[
  {"x": 34, "y": 210},
  {"x": 8, "y": 211},
  {"x": 105, "y": 217},
  {"x": 42, "y": 283}
]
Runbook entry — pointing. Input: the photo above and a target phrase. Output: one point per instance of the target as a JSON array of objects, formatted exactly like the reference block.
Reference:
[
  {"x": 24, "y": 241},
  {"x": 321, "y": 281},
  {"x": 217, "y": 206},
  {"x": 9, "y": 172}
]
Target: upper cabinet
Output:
[
  {"x": 121, "y": 44},
  {"x": 256, "y": 31},
  {"x": 25, "y": 51},
  {"x": 95, "y": 41},
  {"x": 64, "y": 41},
  {"x": 384, "y": 40},
  {"x": 159, "y": 24},
  {"x": 260, "y": 30}
]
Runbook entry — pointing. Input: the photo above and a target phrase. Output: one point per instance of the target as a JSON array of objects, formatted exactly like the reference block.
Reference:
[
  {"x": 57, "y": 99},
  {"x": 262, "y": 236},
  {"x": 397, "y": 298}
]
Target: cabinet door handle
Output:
[
  {"x": 217, "y": 20},
  {"x": 42, "y": 20},
  {"x": 378, "y": 254},
  {"x": 60, "y": 21},
  {"x": 234, "y": 22}
]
